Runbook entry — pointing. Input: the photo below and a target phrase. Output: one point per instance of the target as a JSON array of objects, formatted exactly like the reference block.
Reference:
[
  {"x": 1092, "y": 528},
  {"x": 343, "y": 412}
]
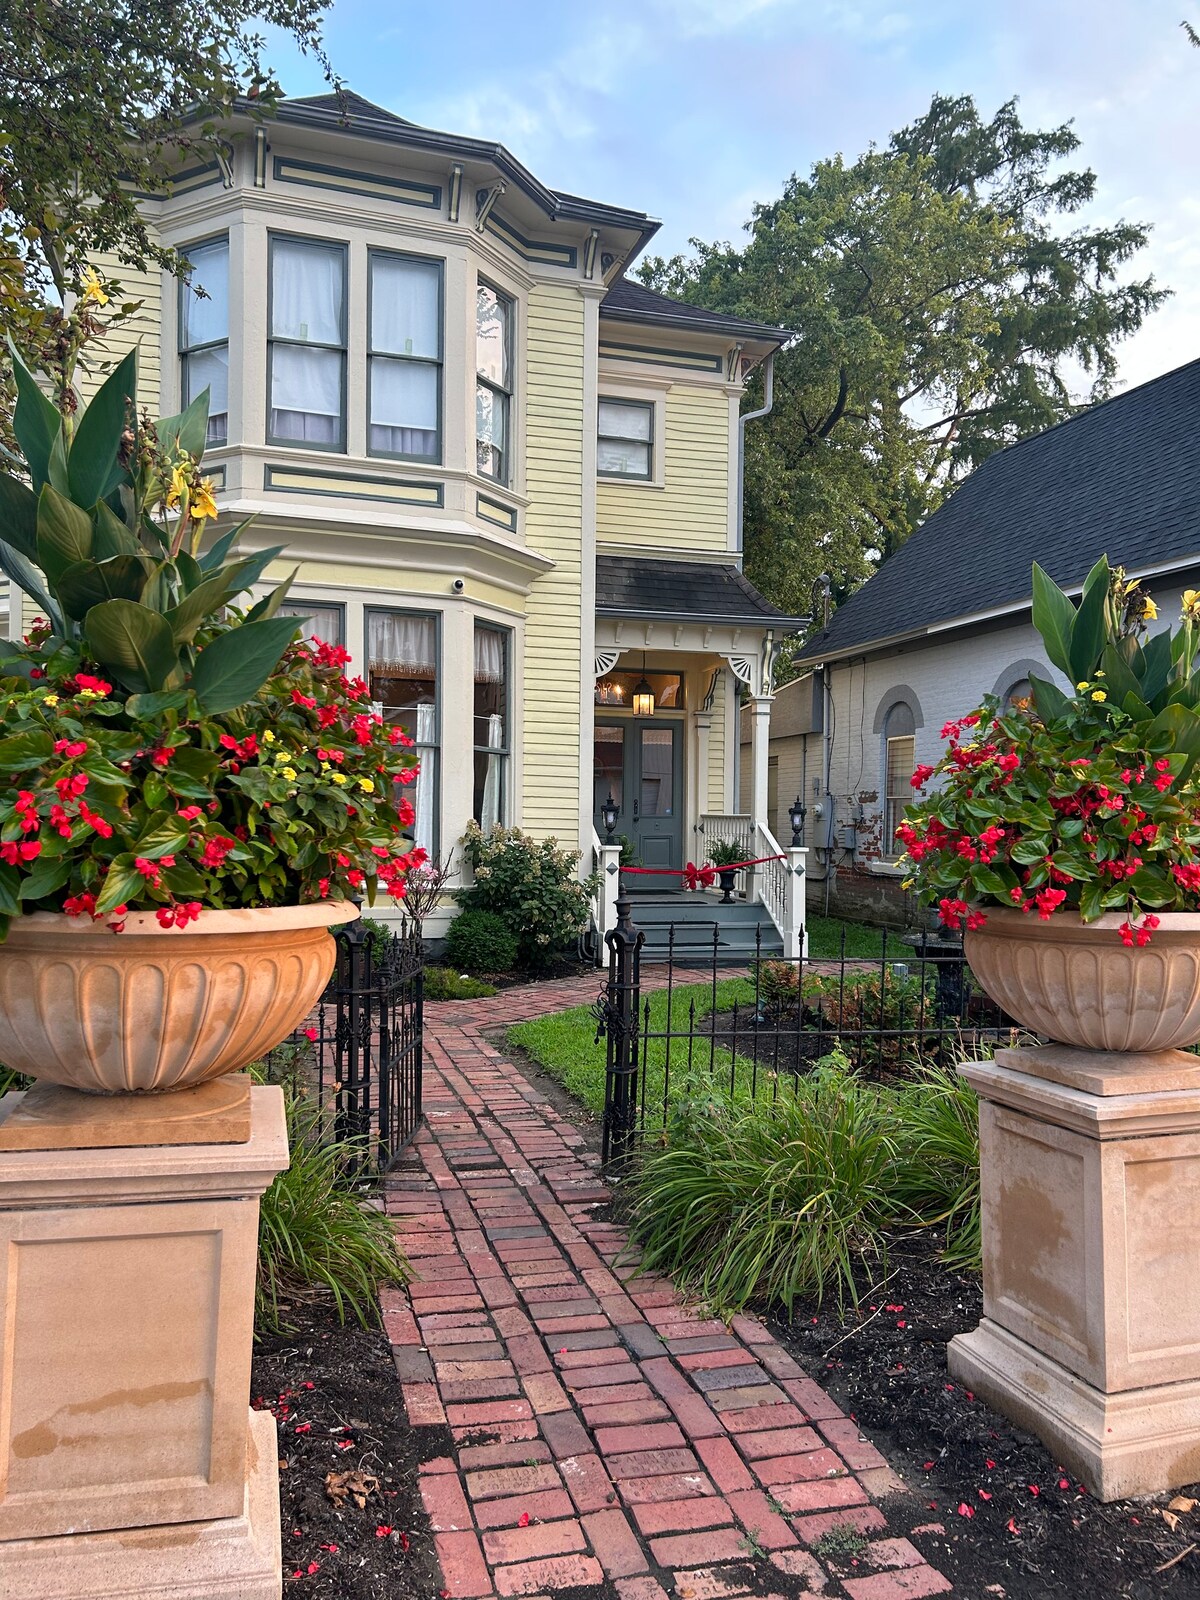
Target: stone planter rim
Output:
[
  {"x": 242, "y": 919},
  {"x": 1008, "y": 920}
]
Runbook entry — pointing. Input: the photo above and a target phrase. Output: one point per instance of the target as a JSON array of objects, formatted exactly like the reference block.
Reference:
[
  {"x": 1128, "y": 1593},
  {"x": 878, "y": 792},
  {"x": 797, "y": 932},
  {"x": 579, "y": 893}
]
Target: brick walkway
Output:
[{"x": 604, "y": 1429}]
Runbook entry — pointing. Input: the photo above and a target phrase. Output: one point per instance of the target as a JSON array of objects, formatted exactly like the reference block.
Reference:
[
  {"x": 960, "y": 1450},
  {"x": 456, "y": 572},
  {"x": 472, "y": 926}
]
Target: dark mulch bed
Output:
[
  {"x": 335, "y": 1395},
  {"x": 1003, "y": 1519}
]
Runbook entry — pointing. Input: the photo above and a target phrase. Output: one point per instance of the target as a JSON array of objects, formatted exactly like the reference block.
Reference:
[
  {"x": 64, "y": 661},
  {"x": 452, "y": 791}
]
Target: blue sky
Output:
[{"x": 694, "y": 109}]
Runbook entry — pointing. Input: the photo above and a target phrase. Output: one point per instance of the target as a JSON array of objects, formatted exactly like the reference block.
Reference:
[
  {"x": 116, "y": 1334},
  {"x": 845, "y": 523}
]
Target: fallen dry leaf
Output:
[
  {"x": 1181, "y": 1503},
  {"x": 356, "y": 1486},
  {"x": 1171, "y": 1520}
]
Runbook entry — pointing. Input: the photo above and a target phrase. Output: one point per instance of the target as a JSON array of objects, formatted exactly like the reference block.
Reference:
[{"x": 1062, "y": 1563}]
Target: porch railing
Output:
[{"x": 777, "y": 883}]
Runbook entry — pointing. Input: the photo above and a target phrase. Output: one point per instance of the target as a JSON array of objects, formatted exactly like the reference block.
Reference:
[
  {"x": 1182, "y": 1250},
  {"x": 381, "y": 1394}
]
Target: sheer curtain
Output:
[
  {"x": 204, "y": 334},
  {"x": 489, "y": 656},
  {"x": 491, "y": 806},
  {"x": 403, "y": 646},
  {"x": 425, "y": 787},
  {"x": 491, "y": 690},
  {"x": 404, "y": 407},
  {"x": 324, "y": 622},
  {"x": 307, "y": 296}
]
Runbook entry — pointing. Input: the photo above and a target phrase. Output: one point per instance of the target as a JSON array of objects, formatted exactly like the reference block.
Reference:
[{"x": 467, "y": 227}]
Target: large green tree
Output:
[
  {"x": 97, "y": 104},
  {"x": 942, "y": 309}
]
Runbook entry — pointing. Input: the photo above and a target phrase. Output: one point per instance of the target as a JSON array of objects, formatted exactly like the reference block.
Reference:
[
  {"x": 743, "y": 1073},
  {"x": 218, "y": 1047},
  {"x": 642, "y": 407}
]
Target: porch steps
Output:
[{"x": 694, "y": 917}]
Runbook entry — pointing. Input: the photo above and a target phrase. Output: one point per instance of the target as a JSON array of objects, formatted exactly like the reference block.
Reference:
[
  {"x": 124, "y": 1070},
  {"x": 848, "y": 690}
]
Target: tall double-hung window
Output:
[
  {"x": 204, "y": 333},
  {"x": 402, "y": 649},
  {"x": 491, "y": 724},
  {"x": 494, "y": 383},
  {"x": 307, "y": 351},
  {"x": 899, "y": 761},
  {"x": 405, "y": 358}
]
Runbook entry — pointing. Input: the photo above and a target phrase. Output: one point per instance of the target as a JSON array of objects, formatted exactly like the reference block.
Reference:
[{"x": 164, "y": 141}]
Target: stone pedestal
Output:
[
  {"x": 1091, "y": 1261},
  {"x": 127, "y": 1291}
]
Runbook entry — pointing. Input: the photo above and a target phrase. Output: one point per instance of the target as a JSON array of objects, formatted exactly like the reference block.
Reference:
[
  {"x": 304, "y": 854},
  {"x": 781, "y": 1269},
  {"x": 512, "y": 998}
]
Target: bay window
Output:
[
  {"x": 307, "y": 344},
  {"x": 204, "y": 333},
  {"x": 402, "y": 653},
  {"x": 491, "y": 726},
  {"x": 625, "y": 439},
  {"x": 405, "y": 357},
  {"x": 494, "y": 384}
]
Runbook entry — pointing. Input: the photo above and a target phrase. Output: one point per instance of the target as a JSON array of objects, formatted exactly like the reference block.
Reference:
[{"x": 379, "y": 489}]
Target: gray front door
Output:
[{"x": 641, "y": 765}]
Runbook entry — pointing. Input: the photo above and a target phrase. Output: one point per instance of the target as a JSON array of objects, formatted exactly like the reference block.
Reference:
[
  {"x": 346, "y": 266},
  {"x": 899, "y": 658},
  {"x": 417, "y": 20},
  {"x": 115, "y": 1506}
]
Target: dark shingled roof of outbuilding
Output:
[
  {"x": 1121, "y": 479},
  {"x": 683, "y": 591}
]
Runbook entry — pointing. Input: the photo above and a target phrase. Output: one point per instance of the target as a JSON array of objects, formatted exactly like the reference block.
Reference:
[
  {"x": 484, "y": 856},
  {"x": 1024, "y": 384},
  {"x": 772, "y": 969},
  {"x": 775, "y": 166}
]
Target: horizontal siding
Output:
[
  {"x": 554, "y": 414},
  {"x": 691, "y": 510},
  {"x": 143, "y": 329}
]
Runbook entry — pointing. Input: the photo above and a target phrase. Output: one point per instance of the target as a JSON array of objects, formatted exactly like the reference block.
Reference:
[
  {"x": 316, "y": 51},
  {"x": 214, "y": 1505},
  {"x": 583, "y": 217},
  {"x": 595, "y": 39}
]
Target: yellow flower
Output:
[
  {"x": 1099, "y": 694},
  {"x": 1191, "y": 602},
  {"x": 203, "y": 504},
  {"x": 268, "y": 737},
  {"x": 1081, "y": 686},
  {"x": 367, "y": 785},
  {"x": 93, "y": 289},
  {"x": 1149, "y": 610},
  {"x": 290, "y": 774},
  {"x": 50, "y": 700},
  {"x": 337, "y": 777},
  {"x": 179, "y": 484}
]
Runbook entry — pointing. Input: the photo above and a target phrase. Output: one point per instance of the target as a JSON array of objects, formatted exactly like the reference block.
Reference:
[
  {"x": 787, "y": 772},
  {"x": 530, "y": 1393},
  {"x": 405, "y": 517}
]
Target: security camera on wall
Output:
[{"x": 459, "y": 585}]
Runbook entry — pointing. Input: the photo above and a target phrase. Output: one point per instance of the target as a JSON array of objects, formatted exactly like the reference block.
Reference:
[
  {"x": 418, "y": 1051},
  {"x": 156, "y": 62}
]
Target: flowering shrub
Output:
[
  {"x": 1086, "y": 802},
  {"x": 531, "y": 885},
  {"x": 160, "y": 748}
]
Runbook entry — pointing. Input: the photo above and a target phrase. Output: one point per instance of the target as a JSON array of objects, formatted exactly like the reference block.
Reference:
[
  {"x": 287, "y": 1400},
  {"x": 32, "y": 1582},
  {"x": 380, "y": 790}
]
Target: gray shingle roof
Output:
[
  {"x": 628, "y": 301},
  {"x": 695, "y": 591},
  {"x": 1121, "y": 479}
]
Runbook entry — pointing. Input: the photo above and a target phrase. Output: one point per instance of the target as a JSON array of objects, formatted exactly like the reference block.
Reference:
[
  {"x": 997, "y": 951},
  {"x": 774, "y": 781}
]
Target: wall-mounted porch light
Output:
[{"x": 643, "y": 694}]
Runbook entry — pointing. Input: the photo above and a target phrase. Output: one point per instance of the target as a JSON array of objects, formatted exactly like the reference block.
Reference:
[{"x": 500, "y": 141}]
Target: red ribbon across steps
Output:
[{"x": 695, "y": 877}]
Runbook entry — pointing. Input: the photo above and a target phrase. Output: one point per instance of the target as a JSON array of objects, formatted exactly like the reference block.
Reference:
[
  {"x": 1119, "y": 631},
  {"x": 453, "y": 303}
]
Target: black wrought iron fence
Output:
[
  {"x": 359, "y": 1055},
  {"x": 758, "y": 1030}
]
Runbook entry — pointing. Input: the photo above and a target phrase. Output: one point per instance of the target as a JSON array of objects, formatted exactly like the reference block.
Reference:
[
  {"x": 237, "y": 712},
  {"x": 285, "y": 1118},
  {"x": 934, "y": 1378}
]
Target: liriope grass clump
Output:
[
  {"x": 319, "y": 1235},
  {"x": 794, "y": 1191}
]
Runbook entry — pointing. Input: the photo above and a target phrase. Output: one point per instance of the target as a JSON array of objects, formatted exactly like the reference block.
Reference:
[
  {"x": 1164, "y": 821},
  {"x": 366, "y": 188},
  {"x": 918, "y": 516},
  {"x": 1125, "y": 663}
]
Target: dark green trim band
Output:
[
  {"x": 342, "y": 486},
  {"x": 500, "y": 516},
  {"x": 542, "y": 251},
  {"x": 344, "y": 180},
  {"x": 184, "y": 182},
  {"x": 654, "y": 355}
]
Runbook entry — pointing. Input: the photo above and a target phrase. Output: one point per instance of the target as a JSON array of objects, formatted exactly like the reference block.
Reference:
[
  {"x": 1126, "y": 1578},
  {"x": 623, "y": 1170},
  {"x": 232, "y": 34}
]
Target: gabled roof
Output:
[
  {"x": 352, "y": 113},
  {"x": 675, "y": 591},
  {"x": 1121, "y": 479},
  {"x": 628, "y": 301}
]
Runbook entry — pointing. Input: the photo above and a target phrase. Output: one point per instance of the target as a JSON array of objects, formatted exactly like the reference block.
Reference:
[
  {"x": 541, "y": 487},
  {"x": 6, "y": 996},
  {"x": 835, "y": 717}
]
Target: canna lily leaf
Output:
[
  {"x": 89, "y": 583},
  {"x": 36, "y": 422},
  {"x": 234, "y": 667},
  {"x": 64, "y": 533},
  {"x": 18, "y": 516},
  {"x": 92, "y": 467},
  {"x": 188, "y": 431},
  {"x": 132, "y": 642},
  {"x": 1053, "y": 617}
]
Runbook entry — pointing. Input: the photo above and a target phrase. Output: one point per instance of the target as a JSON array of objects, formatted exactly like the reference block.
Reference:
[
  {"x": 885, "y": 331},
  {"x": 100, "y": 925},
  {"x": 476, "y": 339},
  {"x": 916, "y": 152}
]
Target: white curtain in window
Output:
[
  {"x": 624, "y": 422},
  {"x": 209, "y": 369},
  {"x": 493, "y": 783},
  {"x": 404, "y": 396},
  {"x": 425, "y": 787},
  {"x": 404, "y": 308},
  {"x": 206, "y": 319},
  {"x": 306, "y": 292},
  {"x": 403, "y": 646},
  {"x": 324, "y": 622},
  {"x": 308, "y": 382},
  {"x": 489, "y": 656}
]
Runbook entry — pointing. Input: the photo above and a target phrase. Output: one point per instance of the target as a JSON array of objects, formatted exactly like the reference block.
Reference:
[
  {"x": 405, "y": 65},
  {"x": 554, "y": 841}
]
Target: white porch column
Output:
[
  {"x": 703, "y": 730},
  {"x": 796, "y": 923},
  {"x": 610, "y": 888},
  {"x": 760, "y": 730}
]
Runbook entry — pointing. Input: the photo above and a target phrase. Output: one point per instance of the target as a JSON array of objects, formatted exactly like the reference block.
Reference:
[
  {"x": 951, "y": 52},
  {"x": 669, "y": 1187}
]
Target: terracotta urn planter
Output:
[
  {"x": 1078, "y": 984},
  {"x": 153, "y": 1009}
]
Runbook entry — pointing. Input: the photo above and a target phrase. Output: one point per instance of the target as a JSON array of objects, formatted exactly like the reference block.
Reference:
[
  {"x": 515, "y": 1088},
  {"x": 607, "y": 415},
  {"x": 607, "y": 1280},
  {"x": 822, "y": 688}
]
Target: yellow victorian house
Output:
[{"x": 508, "y": 474}]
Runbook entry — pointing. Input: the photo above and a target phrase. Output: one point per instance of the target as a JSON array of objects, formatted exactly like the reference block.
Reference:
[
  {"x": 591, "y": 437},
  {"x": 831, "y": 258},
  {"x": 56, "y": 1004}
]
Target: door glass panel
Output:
[
  {"x": 609, "y": 768},
  {"x": 658, "y": 772}
]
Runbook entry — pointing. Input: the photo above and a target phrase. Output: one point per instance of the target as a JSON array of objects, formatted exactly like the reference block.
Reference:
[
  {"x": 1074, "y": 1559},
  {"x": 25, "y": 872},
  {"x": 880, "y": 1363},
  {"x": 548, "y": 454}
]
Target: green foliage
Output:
[
  {"x": 161, "y": 748},
  {"x": 777, "y": 1198},
  {"x": 443, "y": 983},
  {"x": 531, "y": 884},
  {"x": 481, "y": 941},
  {"x": 942, "y": 312},
  {"x": 1087, "y": 801},
  {"x": 889, "y": 1016},
  {"x": 937, "y": 1176},
  {"x": 318, "y": 1232},
  {"x": 793, "y": 1191},
  {"x": 726, "y": 853}
]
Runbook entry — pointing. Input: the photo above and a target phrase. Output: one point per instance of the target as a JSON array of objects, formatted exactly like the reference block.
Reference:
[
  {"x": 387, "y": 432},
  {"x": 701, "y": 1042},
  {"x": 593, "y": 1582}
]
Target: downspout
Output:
[{"x": 751, "y": 416}]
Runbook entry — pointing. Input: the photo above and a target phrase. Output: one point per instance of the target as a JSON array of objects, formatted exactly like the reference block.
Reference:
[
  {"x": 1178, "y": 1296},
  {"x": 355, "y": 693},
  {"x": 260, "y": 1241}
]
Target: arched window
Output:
[
  {"x": 899, "y": 763},
  {"x": 1019, "y": 692}
]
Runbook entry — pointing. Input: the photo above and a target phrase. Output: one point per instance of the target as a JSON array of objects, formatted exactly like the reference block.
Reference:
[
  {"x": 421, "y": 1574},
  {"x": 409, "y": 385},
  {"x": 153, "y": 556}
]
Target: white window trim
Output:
[{"x": 644, "y": 393}]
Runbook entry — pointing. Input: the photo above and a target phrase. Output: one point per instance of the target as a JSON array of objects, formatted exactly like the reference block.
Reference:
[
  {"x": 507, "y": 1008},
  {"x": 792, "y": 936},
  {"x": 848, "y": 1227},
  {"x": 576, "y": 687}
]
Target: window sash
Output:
[
  {"x": 203, "y": 340},
  {"x": 404, "y": 379},
  {"x": 415, "y": 640},
  {"x": 493, "y": 385},
  {"x": 625, "y": 436},
  {"x": 900, "y": 760},
  {"x": 289, "y": 340}
]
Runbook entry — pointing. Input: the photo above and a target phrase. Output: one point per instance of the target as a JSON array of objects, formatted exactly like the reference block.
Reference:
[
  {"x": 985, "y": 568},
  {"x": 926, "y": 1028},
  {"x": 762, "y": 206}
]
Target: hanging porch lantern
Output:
[{"x": 643, "y": 694}]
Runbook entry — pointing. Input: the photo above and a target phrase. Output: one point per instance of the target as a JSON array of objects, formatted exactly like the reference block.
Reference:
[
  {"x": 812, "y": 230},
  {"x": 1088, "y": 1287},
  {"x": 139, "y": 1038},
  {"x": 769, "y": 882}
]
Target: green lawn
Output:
[{"x": 862, "y": 943}]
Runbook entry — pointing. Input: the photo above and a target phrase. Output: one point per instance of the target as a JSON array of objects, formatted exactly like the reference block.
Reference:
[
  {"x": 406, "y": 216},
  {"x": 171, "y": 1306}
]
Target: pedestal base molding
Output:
[
  {"x": 230, "y": 1558},
  {"x": 1138, "y": 1442}
]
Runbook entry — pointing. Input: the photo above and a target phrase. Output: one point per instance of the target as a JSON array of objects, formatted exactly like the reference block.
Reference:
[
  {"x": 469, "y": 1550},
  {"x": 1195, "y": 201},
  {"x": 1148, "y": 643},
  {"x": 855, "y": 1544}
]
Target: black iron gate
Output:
[{"x": 359, "y": 1054}]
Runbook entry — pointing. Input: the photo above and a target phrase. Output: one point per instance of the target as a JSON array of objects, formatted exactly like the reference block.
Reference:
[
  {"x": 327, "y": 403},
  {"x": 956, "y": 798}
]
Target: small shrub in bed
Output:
[
  {"x": 443, "y": 983},
  {"x": 481, "y": 941},
  {"x": 531, "y": 884}
]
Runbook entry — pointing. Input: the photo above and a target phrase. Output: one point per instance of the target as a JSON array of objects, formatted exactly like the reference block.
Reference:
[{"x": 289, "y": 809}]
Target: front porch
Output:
[{"x": 678, "y": 644}]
